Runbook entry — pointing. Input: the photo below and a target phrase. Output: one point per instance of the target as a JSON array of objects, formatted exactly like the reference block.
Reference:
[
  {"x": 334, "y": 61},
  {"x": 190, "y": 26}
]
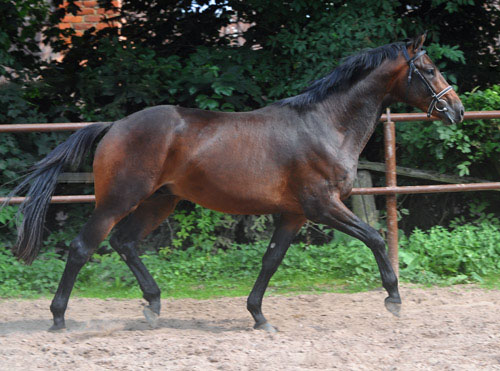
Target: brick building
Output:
[{"x": 90, "y": 15}]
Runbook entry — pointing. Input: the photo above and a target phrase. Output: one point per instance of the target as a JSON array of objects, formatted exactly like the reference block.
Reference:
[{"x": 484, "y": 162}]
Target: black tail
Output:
[{"x": 42, "y": 182}]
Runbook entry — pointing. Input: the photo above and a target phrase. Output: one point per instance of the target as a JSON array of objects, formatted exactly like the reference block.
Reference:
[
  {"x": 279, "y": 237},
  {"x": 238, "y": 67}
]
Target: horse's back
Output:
[
  {"x": 232, "y": 162},
  {"x": 238, "y": 163}
]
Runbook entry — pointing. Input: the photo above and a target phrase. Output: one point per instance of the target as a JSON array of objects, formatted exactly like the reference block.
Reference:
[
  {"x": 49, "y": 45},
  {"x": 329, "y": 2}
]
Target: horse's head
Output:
[{"x": 421, "y": 84}]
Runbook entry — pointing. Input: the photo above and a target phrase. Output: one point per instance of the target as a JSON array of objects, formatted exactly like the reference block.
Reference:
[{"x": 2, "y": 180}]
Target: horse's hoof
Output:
[
  {"x": 393, "y": 305},
  {"x": 266, "y": 326},
  {"x": 57, "y": 328},
  {"x": 151, "y": 317}
]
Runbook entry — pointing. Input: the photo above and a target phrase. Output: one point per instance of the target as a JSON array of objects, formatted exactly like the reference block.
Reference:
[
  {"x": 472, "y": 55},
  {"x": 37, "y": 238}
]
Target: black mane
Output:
[{"x": 351, "y": 70}]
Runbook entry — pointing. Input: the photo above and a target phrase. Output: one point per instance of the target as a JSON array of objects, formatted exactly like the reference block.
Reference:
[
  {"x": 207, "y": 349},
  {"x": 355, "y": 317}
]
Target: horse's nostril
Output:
[{"x": 462, "y": 112}]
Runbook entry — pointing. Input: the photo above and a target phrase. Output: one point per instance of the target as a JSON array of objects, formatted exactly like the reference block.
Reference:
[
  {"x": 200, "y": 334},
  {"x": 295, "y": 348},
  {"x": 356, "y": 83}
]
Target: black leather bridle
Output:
[{"x": 436, "y": 97}]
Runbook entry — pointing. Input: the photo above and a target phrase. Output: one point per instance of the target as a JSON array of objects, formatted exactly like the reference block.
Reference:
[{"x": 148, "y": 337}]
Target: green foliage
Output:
[
  {"x": 174, "y": 54},
  {"x": 7, "y": 224},
  {"x": 463, "y": 254},
  {"x": 201, "y": 229},
  {"x": 172, "y": 27},
  {"x": 121, "y": 78},
  {"x": 469, "y": 148},
  {"x": 20, "y": 22},
  {"x": 19, "y": 279}
]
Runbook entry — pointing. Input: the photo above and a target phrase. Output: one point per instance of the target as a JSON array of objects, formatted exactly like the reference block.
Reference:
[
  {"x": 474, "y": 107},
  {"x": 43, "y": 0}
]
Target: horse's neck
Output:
[{"x": 355, "y": 112}]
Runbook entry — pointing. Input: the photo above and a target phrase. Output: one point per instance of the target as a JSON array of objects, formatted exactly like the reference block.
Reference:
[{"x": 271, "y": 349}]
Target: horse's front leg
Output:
[
  {"x": 327, "y": 208},
  {"x": 286, "y": 229}
]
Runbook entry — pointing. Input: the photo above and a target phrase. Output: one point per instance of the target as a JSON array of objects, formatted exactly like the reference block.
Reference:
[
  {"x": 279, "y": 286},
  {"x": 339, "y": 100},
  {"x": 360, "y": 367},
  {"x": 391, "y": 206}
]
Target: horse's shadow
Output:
[
  {"x": 215, "y": 326},
  {"x": 102, "y": 327}
]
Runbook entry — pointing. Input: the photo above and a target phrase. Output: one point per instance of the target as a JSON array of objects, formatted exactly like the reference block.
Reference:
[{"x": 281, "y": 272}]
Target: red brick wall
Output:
[{"x": 90, "y": 15}]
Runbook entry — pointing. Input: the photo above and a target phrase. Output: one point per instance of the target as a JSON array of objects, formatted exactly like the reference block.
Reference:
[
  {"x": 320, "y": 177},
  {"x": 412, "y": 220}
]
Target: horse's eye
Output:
[{"x": 430, "y": 71}]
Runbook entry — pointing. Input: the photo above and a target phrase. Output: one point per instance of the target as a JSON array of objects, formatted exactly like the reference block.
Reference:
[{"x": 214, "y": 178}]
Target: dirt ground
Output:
[{"x": 440, "y": 329}]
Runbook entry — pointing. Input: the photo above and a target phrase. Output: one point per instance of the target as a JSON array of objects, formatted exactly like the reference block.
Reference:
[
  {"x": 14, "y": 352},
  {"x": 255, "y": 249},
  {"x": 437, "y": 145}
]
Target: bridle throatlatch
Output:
[{"x": 436, "y": 97}]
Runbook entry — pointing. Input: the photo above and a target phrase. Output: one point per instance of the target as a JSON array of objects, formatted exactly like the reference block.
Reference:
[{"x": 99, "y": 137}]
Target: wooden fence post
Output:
[{"x": 364, "y": 206}]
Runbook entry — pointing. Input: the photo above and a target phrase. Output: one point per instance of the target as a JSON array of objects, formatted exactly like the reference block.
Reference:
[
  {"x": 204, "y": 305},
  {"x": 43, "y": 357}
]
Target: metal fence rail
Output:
[
  {"x": 390, "y": 170},
  {"x": 391, "y": 190}
]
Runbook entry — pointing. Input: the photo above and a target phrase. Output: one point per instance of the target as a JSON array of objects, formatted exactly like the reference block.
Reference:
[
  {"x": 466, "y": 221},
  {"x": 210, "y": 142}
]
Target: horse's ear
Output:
[{"x": 418, "y": 41}]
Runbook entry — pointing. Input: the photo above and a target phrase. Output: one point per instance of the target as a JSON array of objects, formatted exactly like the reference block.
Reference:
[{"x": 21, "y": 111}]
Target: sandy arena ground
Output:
[{"x": 440, "y": 329}]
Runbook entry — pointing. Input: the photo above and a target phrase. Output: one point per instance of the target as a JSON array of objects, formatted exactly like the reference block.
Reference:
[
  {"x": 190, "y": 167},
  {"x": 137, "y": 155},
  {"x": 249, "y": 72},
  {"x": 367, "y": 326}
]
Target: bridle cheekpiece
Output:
[{"x": 436, "y": 97}]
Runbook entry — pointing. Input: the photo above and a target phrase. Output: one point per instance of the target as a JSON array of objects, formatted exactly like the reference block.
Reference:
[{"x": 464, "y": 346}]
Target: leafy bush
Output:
[
  {"x": 174, "y": 54},
  {"x": 469, "y": 148},
  {"x": 121, "y": 78},
  {"x": 18, "y": 279},
  {"x": 19, "y": 45},
  {"x": 439, "y": 256},
  {"x": 462, "y": 254}
]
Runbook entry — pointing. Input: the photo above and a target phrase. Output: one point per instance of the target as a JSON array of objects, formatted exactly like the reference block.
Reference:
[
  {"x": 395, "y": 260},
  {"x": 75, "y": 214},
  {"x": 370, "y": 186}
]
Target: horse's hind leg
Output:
[
  {"x": 81, "y": 248},
  {"x": 108, "y": 212},
  {"x": 286, "y": 229},
  {"x": 129, "y": 232}
]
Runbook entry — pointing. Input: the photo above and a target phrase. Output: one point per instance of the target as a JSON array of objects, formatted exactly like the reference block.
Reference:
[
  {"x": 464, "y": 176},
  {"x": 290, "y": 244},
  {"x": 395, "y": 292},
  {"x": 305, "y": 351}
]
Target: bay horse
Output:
[{"x": 296, "y": 157}]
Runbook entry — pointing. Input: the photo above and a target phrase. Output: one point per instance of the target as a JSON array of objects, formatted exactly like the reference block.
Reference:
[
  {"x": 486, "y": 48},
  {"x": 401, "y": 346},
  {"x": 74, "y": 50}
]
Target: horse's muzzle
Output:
[{"x": 453, "y": 113}]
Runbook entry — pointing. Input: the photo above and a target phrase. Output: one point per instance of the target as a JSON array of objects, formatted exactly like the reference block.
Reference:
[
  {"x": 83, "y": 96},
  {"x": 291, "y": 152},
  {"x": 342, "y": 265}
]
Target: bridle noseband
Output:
[{"x": 436, "y": 97}]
